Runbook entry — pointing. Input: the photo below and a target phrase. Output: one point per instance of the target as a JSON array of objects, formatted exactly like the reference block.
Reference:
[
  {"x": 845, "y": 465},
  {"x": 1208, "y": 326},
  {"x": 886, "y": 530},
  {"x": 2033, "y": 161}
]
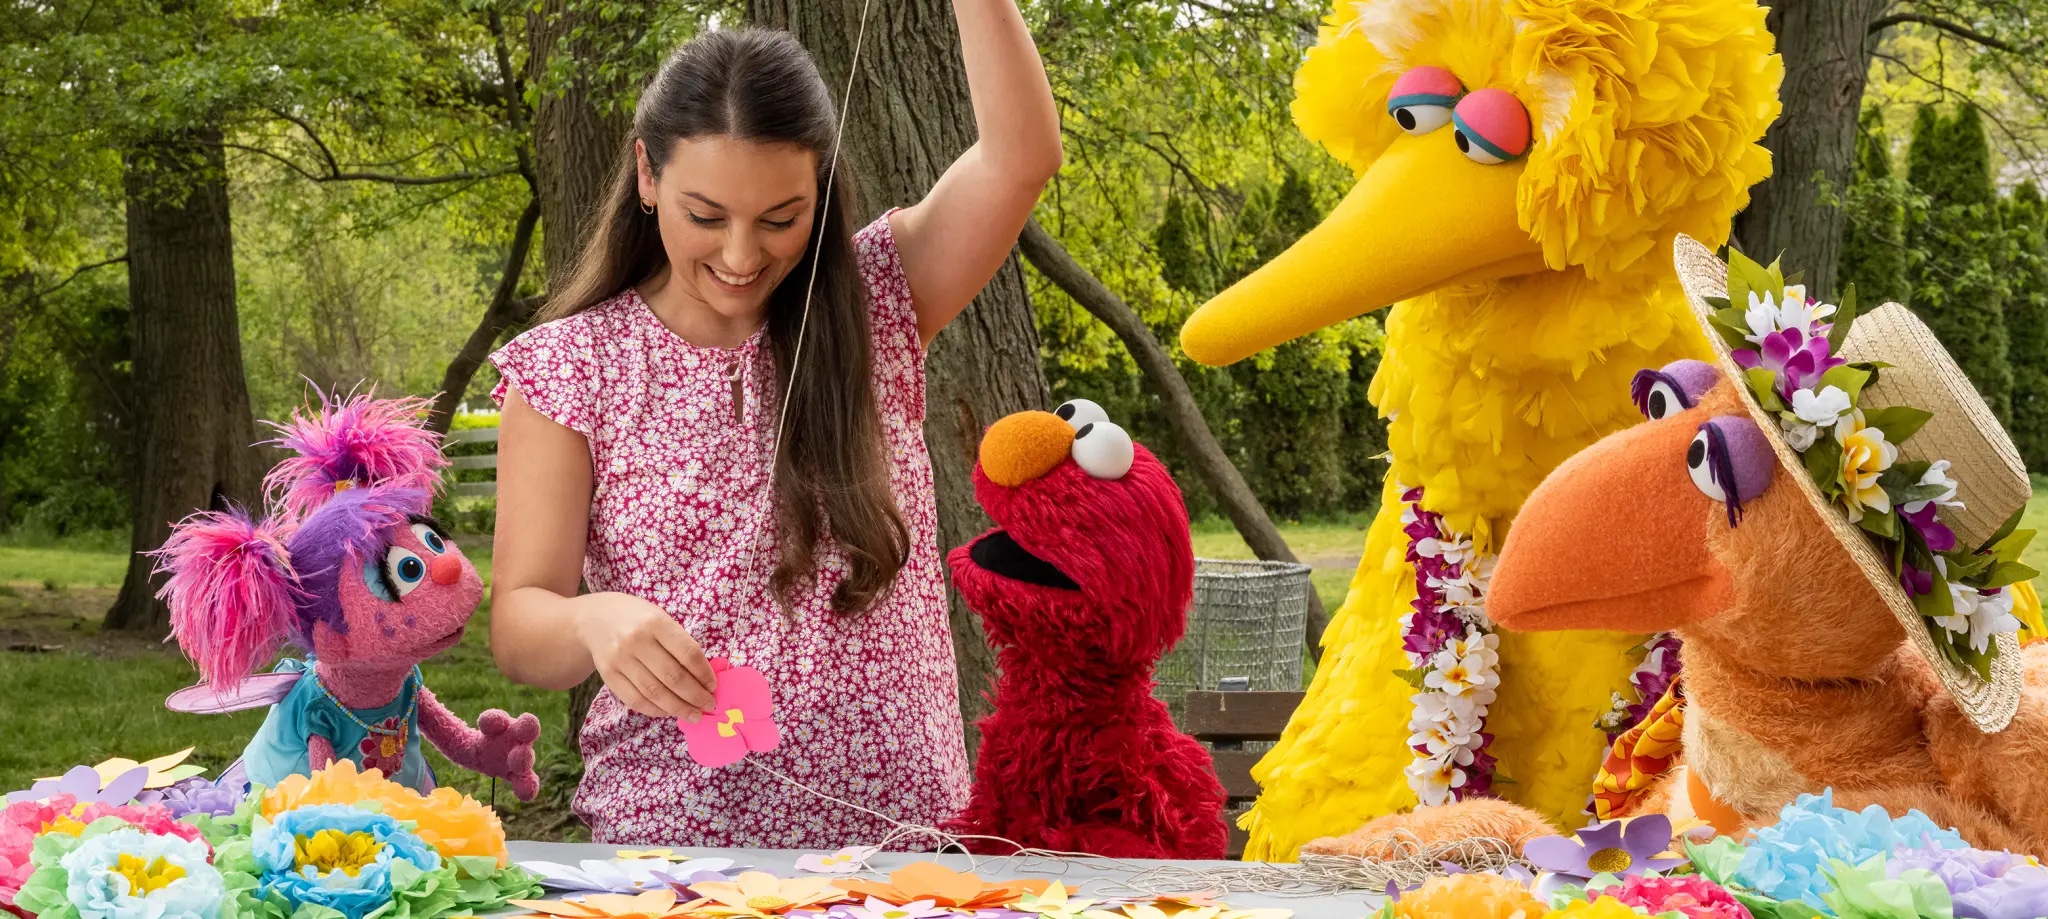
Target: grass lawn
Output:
[{"x": 75, "y": 695}]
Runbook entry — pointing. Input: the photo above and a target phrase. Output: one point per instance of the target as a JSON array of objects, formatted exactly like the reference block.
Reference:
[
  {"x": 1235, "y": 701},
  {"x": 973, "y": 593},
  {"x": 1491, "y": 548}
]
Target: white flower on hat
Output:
[
  {"x": 1767, "y": 314},
  {"x": 1978, "y": 614},
  {"x": 1811, "y": 413},
  {"x": 1937, "y": 474}
]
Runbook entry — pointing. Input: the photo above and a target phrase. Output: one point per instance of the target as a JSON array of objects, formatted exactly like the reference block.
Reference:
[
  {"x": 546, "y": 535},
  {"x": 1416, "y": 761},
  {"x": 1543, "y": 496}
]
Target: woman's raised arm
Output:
[{"x": 953, "y": 241}]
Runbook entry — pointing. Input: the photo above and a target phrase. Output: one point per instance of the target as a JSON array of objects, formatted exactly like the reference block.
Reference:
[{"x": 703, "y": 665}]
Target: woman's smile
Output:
[{"x": 735, "y": 283}]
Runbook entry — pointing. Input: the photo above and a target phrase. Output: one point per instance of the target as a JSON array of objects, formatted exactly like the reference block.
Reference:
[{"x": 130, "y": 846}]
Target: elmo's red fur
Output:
[{"x": 1077, "y": 755}]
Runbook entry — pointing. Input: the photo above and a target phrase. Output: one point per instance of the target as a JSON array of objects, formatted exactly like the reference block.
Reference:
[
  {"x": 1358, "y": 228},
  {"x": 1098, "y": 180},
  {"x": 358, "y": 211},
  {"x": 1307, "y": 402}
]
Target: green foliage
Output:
[
  {"x": 1958, "y": 267},
  {"x": 1873, "y": 254},
  {"x": 2026, "y": 318}
]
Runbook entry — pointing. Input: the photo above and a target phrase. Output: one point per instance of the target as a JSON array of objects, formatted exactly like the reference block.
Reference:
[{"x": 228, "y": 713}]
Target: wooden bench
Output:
[
  {"x": 1226, "y": 720},
  {"x": 482, "y": 461}
]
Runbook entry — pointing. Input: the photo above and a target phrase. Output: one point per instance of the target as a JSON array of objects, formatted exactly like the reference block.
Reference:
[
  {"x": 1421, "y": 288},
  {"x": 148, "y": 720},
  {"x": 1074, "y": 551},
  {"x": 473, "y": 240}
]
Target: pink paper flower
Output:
[
  {"x": 1691, "y": 896},
  {"x": 844, "y": 861},
  {"x": 742, "y": 719}
]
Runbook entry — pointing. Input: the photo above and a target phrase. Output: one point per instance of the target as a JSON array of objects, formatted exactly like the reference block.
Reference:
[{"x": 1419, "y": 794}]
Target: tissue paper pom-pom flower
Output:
[
  {"x": 1479, "y": 896},
  {"x": 451, "y": 822},
  {"x": 1985, "y": 885},
  {"x": 1603, "y": 908},
  {"x": 129, "y": 874},
  {"x": 1692, "y": 896},
  {"x": 1789, "y": 860},
  {"x": 336, "y": 856}
]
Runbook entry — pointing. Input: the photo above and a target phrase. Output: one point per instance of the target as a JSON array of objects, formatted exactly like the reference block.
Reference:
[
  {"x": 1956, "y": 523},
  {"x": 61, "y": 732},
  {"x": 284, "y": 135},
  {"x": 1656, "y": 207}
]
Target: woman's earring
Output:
[{"x": 646, "y": 206}]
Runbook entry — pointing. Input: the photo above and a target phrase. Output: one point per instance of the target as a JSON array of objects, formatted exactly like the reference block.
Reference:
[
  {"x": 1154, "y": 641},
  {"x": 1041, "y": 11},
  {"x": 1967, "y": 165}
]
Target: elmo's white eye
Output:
[
  {"x": 404, "y": 570},
  {"x": 1699, "y": 462},
  {"x": 429, "y": 538},
  {"x": 1102, "y": 450},
  {"x": 1422, "y": 119},
  {"x": 1078, "y": 412},
  {"x": 1662, "y": 401}
]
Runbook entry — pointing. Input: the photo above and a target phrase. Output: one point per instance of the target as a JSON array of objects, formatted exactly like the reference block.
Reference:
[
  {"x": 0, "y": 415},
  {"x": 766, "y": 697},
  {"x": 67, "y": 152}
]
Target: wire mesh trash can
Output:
[{"x": 1244, "y": 630}]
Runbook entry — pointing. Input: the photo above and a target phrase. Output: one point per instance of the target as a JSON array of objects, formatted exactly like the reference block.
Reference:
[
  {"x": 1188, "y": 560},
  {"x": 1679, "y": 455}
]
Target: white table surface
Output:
[{"x": 1093, "y": 878}]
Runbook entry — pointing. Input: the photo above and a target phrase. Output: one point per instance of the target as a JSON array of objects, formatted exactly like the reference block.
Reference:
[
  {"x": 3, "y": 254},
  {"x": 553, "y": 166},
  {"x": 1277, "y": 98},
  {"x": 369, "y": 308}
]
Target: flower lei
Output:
[
  {"x": 1454, "y": 660},
  {"x": 1785, "y": 343}
]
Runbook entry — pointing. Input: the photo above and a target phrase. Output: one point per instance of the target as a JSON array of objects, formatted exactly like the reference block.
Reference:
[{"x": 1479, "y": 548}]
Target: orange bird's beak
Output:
[{"x": 1616, "y": 538}]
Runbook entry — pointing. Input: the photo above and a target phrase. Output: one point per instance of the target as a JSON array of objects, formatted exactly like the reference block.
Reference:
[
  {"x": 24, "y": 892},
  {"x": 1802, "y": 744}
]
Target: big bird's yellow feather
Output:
[{"x": 1529, "y": 293}]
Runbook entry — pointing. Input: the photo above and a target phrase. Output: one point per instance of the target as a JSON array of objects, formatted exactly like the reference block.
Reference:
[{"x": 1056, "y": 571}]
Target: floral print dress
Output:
[{"x": 680, "y": 441}]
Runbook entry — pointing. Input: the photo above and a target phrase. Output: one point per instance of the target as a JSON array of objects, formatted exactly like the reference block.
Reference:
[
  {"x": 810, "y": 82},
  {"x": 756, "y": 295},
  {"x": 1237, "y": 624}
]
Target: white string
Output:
[{"x": 1411, "y": 863}]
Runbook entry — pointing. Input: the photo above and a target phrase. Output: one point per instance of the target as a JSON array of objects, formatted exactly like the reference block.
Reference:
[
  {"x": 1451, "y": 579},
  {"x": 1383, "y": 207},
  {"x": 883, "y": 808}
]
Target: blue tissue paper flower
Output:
[
  {"x": 1789, "y": 860},
  {"x": 337, "y": 856},
  {"x": 128, "y": 874}
]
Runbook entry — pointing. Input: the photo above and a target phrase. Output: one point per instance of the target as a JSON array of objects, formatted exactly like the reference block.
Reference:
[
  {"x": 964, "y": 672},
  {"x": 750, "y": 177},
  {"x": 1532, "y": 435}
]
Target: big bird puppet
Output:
[{"x": 1523, "y": 167}]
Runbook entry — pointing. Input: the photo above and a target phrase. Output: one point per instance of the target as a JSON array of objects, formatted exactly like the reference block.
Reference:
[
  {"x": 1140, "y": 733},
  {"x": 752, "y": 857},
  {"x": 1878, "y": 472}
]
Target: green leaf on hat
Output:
[
  {"x": 1845, "y": 313},
  {"x": 2006, "y": 574},
  {"x": 2012, "y": 546},
  {"x": 1967, "y": 567},
  {"x": 1764, "y": 385},
  {"x": 1824, "y": 463},
  {"x": 2004, "y": 529},
  {"x": 1718, "y": 303},
  {"x": 1898, "y": 422},
  {"x": 1732, "y": 325},
  {"x": 1885, "y": 524},
  {"x": 1937, "y": 602},
  {"x": 1848, "y": 378},
  {"x": 1745, "y": 275}
]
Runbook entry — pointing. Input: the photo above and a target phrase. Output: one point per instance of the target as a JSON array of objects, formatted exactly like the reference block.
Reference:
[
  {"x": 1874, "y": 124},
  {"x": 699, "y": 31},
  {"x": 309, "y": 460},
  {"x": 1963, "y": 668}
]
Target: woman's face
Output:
[{"x": 735, "y": 217}]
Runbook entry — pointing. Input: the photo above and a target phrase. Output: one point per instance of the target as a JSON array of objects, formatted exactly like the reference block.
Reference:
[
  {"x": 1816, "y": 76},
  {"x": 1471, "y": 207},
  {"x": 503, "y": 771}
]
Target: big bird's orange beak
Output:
[
  {"x": 1615, "y": 539},
  {"x": 1422, "y": 217}
]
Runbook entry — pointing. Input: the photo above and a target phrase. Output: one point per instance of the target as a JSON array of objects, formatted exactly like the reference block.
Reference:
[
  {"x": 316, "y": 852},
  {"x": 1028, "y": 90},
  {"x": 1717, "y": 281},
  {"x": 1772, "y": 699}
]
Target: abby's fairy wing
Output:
[{"x": 259, "y": 691}]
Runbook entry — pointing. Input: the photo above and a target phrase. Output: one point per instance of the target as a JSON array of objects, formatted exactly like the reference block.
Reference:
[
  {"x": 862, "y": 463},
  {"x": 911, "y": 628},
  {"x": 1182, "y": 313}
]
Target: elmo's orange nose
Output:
[{"x": 1024, "y": 446}]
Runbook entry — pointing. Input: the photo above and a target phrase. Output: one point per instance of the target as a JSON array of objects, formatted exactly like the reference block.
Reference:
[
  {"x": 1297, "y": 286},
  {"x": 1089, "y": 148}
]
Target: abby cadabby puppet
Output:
[{"x": 351, "y": 571}]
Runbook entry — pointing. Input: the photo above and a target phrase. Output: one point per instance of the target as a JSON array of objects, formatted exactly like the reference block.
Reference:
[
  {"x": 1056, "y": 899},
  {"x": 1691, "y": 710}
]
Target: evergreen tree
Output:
[
  {"x": 1873, "y": 253},
  {"x": 1957, "y": 269},
  {"x": 2026, "y": 316}
]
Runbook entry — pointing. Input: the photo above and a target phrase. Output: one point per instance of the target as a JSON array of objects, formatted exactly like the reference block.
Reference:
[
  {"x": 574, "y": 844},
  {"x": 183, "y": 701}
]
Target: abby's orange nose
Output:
[{"x": 1024, "y": 446}]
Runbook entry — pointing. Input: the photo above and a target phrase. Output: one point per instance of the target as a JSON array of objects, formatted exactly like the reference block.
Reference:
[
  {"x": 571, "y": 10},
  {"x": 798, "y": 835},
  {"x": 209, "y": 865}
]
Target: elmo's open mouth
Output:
[{"x": 997, "y": 553}]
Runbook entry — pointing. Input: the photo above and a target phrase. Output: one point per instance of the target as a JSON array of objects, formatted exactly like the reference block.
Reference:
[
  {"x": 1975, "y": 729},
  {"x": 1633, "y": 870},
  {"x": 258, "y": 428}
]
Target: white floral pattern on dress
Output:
[{"x": 680, "y": 516}]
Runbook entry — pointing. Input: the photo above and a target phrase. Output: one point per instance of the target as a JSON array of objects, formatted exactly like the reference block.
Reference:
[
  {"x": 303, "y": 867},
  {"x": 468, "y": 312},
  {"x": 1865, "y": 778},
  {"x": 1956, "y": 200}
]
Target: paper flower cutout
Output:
[
  {"x": 127, "y": 874},
  {"x": 844, "y": 861},
  {"x": 876, "y": 909},
  {"x": 743, "y": 718},
  {"x": 943, "y": 886},
  {"x": 669, "y": 854},
  {"x": 164, "y": 771},
  {"x": 1618, "y": 847},
  {"x": 625, "y": 875},
  {"x": 1153, "y": 911},
  {"x": 758, "y": 893},
  {"x": 1054, "y": 903},
  {"x": 653, "y": 904},
  {"x": 338, "y": 857},
  {"x": 1201, "y": 899},
  {"x": 85, "y": 785},
  {"x": 1690, "y": 897},
  {"x": 196, "y": 795}
]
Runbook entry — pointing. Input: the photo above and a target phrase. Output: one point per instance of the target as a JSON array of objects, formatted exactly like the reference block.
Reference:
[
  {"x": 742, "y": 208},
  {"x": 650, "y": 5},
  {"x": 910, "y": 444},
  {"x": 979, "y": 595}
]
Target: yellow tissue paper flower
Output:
[
  {"x": 1469, "y": 896},
  {"x": 451, "y": 822},
  {"x": 1603, "y": 908}
]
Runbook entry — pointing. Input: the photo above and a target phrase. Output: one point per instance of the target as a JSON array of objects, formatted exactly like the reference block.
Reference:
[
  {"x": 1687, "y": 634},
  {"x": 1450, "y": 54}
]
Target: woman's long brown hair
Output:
[{"x": 831, "y": 482}]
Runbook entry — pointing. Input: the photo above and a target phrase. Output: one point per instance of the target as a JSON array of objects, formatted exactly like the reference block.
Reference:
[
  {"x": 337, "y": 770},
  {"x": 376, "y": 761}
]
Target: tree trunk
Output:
[
  {"x": 194, "y": 432},
  {"x": 1182, "y": 412},
  {"x": 579, "y": 128},
  {"x": 908, "y": 119},
  {"x": 1826, "y": 47},
  {"x": 505, "y": 310}
]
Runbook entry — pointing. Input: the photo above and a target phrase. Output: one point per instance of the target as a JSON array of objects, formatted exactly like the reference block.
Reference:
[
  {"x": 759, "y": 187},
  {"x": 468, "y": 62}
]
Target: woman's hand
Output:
[{"x": 646, "y": 658}]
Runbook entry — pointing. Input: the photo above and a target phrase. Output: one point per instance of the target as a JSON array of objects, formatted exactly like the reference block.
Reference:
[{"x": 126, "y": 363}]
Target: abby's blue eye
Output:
[{"x": 429, "y": 538}]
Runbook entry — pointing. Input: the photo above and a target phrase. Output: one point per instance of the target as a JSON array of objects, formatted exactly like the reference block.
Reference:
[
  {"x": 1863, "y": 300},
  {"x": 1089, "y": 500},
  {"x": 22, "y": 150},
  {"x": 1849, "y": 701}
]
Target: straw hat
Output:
[{"x": 1991, "y": 480}]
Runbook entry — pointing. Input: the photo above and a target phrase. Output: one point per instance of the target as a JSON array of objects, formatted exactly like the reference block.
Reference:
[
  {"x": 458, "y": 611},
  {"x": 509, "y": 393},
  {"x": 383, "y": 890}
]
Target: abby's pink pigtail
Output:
[
  {"x": 354, "y": 442},
  {"x": 231, "y": 592}
]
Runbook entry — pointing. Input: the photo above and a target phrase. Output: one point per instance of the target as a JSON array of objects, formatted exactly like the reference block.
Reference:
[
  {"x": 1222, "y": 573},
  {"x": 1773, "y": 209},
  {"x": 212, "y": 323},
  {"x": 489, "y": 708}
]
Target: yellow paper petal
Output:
[{"x": 652, "y": 853}]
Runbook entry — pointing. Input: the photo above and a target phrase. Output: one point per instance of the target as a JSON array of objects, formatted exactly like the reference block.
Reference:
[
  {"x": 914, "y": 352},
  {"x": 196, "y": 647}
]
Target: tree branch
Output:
[
  {"x": 1952, "y": 27},
  {"x": 504, "y": 312},
  {"x": 1182, "y": 412}
]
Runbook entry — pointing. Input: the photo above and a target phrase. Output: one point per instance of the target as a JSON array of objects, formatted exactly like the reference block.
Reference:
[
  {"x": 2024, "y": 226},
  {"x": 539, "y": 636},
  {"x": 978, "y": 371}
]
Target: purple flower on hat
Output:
[
  {"x": 1797, "y": 360},
  {"x": 1937, "y": 534},
  {"x": 1618, "y": 847},
  {"x": 1916, "y": 582}
]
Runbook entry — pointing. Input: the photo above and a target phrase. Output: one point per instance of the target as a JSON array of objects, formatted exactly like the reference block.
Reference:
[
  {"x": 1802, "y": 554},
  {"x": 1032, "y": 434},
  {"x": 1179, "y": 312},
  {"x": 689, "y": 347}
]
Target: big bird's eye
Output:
[
  {"x": 1730, "y": 460},
  {"x": 1421, "y": 100},
  {"x": 1102, "y": 450},
  {"x": 1657, "y": 395},
  {"x": 1492, "y": 126},
  {"x": 1079, "y": 412}
]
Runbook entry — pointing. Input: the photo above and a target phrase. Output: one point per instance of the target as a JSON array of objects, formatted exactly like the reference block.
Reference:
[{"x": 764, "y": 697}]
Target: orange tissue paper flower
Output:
[
  {"x": 1470, "y": 896},
  {"x": 451, "y": 822}
]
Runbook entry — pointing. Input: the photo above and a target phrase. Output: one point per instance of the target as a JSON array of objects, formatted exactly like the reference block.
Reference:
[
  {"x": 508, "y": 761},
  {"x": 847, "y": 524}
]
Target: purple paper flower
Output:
[
  {"x": 1939, "y": 537},
  {"x": 1797, "y": 360},
  {"x": 1618, "y": 847},
  {"x": 198, "y": 796},
  {"x": 681, "y": 881},
  {"x": 1986, "y": 885},
  {"x": 83, "y": 783}
]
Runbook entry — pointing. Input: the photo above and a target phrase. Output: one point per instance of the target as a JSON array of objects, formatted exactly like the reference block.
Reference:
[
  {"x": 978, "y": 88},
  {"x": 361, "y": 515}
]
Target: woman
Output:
[{"x": 640, "y": 426}]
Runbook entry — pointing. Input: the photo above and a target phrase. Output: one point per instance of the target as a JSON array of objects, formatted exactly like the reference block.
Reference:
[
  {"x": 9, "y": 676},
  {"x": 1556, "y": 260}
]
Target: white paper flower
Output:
[
  {"x": 1813, "y": 412},
  {"x": 1979, "y": 615},
  {"x": 1937, "y": 474},
  {"x": 1766, "y": 314}
]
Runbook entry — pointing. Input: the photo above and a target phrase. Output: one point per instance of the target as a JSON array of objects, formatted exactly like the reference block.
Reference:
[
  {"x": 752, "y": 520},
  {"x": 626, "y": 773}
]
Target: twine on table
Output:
[{"x": 1314, "y": 876}]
